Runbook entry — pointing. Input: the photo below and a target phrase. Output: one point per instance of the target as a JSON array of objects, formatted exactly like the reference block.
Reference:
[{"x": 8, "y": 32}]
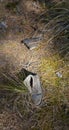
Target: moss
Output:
[{"x": 55, "y": 85}]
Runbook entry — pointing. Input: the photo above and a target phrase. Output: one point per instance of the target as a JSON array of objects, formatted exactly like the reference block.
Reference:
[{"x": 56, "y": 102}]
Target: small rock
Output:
[
  {"x": 31, "y": 43},
  {"x": 59, "y": 74},
  {"x": 3, "y": 25}
]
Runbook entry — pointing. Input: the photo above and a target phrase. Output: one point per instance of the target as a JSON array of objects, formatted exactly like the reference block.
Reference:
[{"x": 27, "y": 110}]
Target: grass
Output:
[
  {"x": 11, "y": 84},
  {"x": 56, "y": 31},
  {"x": 56, "y": 59},
  {"x": 55, "y": 112},
  {"x": 12, "y": 6},
  {"x": 56, "y": 85}
]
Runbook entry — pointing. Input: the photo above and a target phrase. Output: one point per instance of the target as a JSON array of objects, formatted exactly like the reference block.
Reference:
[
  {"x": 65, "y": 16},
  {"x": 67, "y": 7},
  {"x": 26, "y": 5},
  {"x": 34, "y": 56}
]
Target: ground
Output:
[{"x": 49, "y": 61}]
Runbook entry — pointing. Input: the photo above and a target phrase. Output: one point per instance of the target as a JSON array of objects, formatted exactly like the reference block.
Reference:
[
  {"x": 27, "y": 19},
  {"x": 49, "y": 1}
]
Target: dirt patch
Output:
[{"x": 9, "y": 121}]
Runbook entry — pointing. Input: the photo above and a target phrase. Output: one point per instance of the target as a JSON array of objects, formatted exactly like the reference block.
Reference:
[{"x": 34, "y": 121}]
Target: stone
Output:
[
  {"x": 59, "y": 74},
  {"x": 3, "y": 26},
  {"x": 31, "y": 43}
]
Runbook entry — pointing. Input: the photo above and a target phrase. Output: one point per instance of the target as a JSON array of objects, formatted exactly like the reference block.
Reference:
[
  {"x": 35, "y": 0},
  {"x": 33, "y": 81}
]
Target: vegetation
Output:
[
  {"x": 12, "y": 5},
  {"x": 53, "y": 114},
  {"x": 57, "y": 28}
]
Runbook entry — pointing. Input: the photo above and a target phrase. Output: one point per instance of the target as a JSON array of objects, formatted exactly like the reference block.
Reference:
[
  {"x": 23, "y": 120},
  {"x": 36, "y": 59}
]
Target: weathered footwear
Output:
[{"x": 33, "y": 84}]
